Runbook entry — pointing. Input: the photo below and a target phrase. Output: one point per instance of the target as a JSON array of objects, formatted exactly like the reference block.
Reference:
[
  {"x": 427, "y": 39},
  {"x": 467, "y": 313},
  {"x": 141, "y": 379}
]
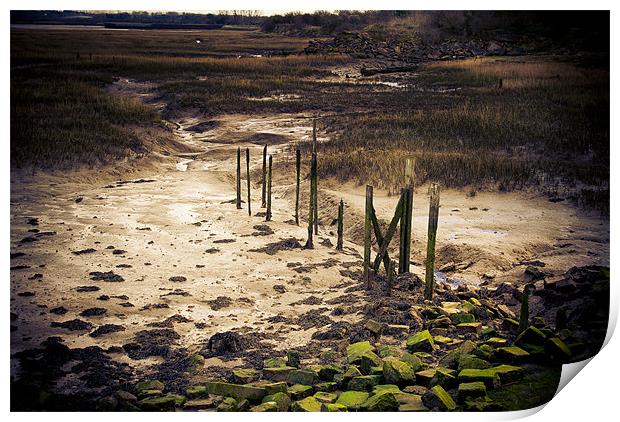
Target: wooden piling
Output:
[
  {"x": 403, "y": 257},
  {"x": 311, "y": 207},
  {"x": 524, "y": 315},
  {"x": 340, "y": 225},
  {"x": 268, "y": 213},
  {"x": 316, "y": 178},
  {"x": 264, "y": 187},
  {"x": 238, "y": 178},
  {"x": 409, "y": 180},
  {"x": 383, "y": 247},
  {"x": 298, "y": 180},
  {"x": 367, "y": 235},
  {"x": 379, "y": 236},
  {"x": 247, "y": 162},
  {"x": 433, "y": 218}
]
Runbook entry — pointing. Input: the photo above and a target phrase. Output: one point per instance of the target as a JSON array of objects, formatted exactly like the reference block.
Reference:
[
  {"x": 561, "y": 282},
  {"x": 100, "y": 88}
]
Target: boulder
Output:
[
  {"x": 107, "y": 404},
  {"x": 245, "y": 375},
  {"x": 299, "y": 391},
  {"x": 368, "y": 361},
  {"x": 421, "y": 342},
  {"x": 282, "y": 401},
  {"x": 236, "y": 390},
  {"x": 200, "y": 403},
  {"x": 333, "y": 407},
  {"x": 293, "y": 358},
  {"x": 164, "y": 403},
  {"x": 462, "y": 318},
  {"x": 488, "y": 376},
  {"x": 274, "y": 362},
  {"x": 410, "y": 403},
  {"x": 451, "y": 359},
  {"x": 269, "y": 406},
  {"x": 438, "y": 398},
  {"x": 353, "y": 400},
  {"x": 472, "y": 362},
  {"x": 512, "y": 354},
  {"x": 470, "y": 327},
  {"x": 531, "y": 336},
  {"x": 324, "y": 397},
  {"x": 424, "y": 377},
  {"x": 414, "y": 361},
  {"x": 508, "y": 374},
  {"x": 556, "y": 349},
  {"x": 196, "y": 391},
  {"x": 471, "y": 390},
  {"x": 326, "y": 386},
  {"x": 228, "y": 405},
  {"x": 327, "y": 372},
  {"x": 510, "y": 325},
  {"x": 397, "y": 372},
  {"x": 355, "y": 351},
  {"x": 309, "y": 404},
  {"x": 149, "y": 385},
  {"x": 278, "y": 374},
  {"x": 363, "y": 383},
  {"x": 383, "y": 402},
  {"x": 301, "y": 376}
]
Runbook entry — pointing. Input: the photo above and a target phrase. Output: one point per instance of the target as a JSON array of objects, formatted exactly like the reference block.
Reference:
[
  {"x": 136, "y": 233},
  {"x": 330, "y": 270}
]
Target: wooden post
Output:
[
  {"x": 409, "y": 180},
  {"x": 316, "y": 178},
  {"x": 402, "y": 256},
  {"x": 298, "y": 168},
  {"x": 238, "y": 178},
  {"x": 433, "y": 217},
  {"x": 247, "y": 162},
  {"x": 268, "y": 213},
  {"x": 383, "y": 247},
  {"x": 390, "y": 278},
  {"x": 263, "y": 200},
  {"x": 311, "y": 208},
  {"x": 379, "y": 236},
  {"x": 524, "y": 315},
  {"x": 340, "y": 221},
  {"x": 367, "y": 235}
]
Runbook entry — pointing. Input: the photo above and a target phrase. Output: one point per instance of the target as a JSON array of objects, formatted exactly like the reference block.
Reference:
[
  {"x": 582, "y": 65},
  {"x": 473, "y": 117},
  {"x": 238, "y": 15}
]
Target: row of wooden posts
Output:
[{"x": 403, "y": 215}]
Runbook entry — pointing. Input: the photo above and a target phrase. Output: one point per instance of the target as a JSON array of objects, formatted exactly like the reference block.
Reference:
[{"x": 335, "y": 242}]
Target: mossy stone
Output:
[
  {"x": 327, "y": 372},
  {"x": 382, "y": 402},
  {"x": 462, "y": 318},
  {"x": 510, "y": 325},
  {"x": 368, "y": 361},
  {"x": 274, "y": 362},
  {"x": 389, "y": 350},
  {"x": 421, "y": 342},
  {"x": 382, "y": 388},
  {"x": 196, "y": 391},
  {"x": 508, "y": 374},
  {"x": 484, "y": 351},
  {"x": 245, "y": 375},
  {"x": 472, "y": 362},
  {"x": 324, "y": 397},
  {"x": 228, "y": 405},
  {"x": 164, "y": 403},
  {"x": 451, "y": 359},
  {"x": 558, "y": 350},
  {"x": 488, "y": 376},
  {"x": 236, "y": 390},
  {"x": 269, "y": 406},
  {"x": 333, "y": 407},
  {"x": 424, "y": 377},
  {"x": 512, "y": 354},
  {"x": 200, "y": 403},
  {"x": 107, "y": 404},
  {"x": 531, "y": 336},
  {"x": 363, "y": 383},
  {"x": 471, "y": 390},
  {"x": 299, "y": 391},
  {"x": 443, "y": 378},
  {"x": 278, "y": 374},
  {"x": 438, "y": 398},
  {"x": 125, "y": 396},
  {"x": 282, "y": 401},
  {"x": 150, "y": 385},
  {"x": 302, "y": 376},
  {"x": 353, "y": 400},
  {"x": 396, "y": 371},
  {"x": 143, "y": 394},
  {"x": 355, "y": 351},
  {"x": 414, "y": 361},
  {"x": 293, "y": 358},
  {"x": 309, "y": 404},
  {"x": 326, "y": 386},
  {"x": 469, "y": 327}
]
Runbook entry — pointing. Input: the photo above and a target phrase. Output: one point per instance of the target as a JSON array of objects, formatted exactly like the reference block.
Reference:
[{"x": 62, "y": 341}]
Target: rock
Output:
[
  {"x": 353, "y": 400},
  {"x": 299, "y": 391},
  {"x": 327, "y": 372},
  {"x": 326, "y": 386},
  {"x": 396, "y": 330},
  {"x": 282, "y": 401},
  {"x": 415, "y": 390},
  {"x": 236, "y": 391},
  {"x": 125, "y": 396},
  {"x": 425, "y": 377},
  {"x": 178, "y": 399},
  {"x": 531, "y": 336},
  {"x": 510, "y": 325},
  {"x": 488, "y": 376},
  {"x": 196, "y": 391},
  {"x": 274, "y": 362},
  {"x": 472, "y": 362},
  {"x": 557, "y": 350},
  {"x": 164, "y": 403},
  {"x": 462, "y": 318},
  {"x": 507, "y": 374},
  {"x": 410, "y": 403},
  {"x": 149, "y": 385},
  {"x": 364, "y": 383},
  {"x": 278, "y": 374},
  {"x": 107, "y": 404},
  {"x": 471, "y": 390},
  {"x": 223, "y": 343},
  {"x": 149, "y": 393},
  {"x": 451, "y": 359},
  {"x": 309, "y": 404},
  {"x": 512, "y": 354},
  {"x": 293, "y": 358},
  {"x": 368, "y": 361},
  {"x": 496, "y": 342},
  {"x": 268, "y": 406},
  {"x": 506, "y": 311},
  {"x": 444, "y": 379},
  {"x": 470, "y": 327},
  {"x": 376, "y": 328},
  {"x": 301, "y": 376},
  {"x": 414, "y": 361},
  {"x": 397, "y": 372},
  {"x": 438, "y": 398},
  {"x": 442, "y": 321},
  {"x": 333, "y": 407},
  {"x": 228, "y": 405},
  {"x": 383, "y": 402},
  {"x": 484, "y": 351},
  {"x": 488, "y": 332},
  {"x": 355, "y": 351},
  {"x": 324, "y": 397},
  {"x": 421, "y": 342},
  {"x": 200, "y": 403}
]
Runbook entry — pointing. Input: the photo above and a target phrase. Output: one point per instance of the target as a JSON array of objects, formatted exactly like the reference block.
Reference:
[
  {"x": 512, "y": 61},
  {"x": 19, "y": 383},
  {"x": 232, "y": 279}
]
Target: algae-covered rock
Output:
[
  {"x": 389, "y": 350},
  {"x": 355, "y": 351},
  {"x": 282, "y": 401},
  {"x": 125, "y": 396},
  {"x": 512, "y": 354},
  {"x": 149, "y": 385},
  {"x": 382, "y": 388},
  {"x": 236, "y": 390},
  {"x": 414, "y": 361},
  {"x": 471, "y": 390},
  {"x": 178, "y": 399},
  {"x": 200, "y": 403},
  {"x": 410, "y": 403},
  {"x": 364, "y": 383},
  {"x": 299, "y": 391},
  {"x": 397, "y": 372},
  {"x": 438, "y": 398},
  {"x": 326, "y": 386},
  {"x": 443, "y": 379},
  {"x": 350, "y": 373},
  {"x": 374, "y": 327},
  {"x": 451, "y": 359},
  {"x": 508, "y": 374},
  {"x": 424, "y": 377},
  {"x": 301, "y": 376},
  {"x": 488, "y": 376},
  {"x": 556, "y": 349},
  {"x": 382, "y": 402},
  {"x": 472, "y": 362},
  {"x": 421, "y": 342},
  {"x": 164, "y": 403},
  {"x": 531, "y": 336},
  {"x": 269, "y": 406},
  {"x": 245, "y": 375},
  {"x": 324, "y": 397},
  {"x": 368, "y": 361},
  {"x": 107, "y": 404},
  {"x": 469, "y": 327},
  {"x": 327, "y": 372},
  {"x": 510, "y": 325},
  {"x": 196, "y": 391},
  {"x": 497, "y": 342},
  {"x": 484, "y": 351},
  {"x": 274, "y": 362},
  {"x": 228, "y": 405},
  {"x": 278, "y": 374},
  {"x": 353, "y": 400},
  {"x": 333, "y": 407},
  {"x": 462, "y": 318},
  {"x": 309, "y": 404},
  {"x": 293, "y": 358}
]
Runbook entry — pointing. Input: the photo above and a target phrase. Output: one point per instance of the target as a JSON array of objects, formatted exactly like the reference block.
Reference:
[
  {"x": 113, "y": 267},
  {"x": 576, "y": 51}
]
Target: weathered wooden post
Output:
[
  {"x": 238, "y": 178},
  {"x": 268, "y": 213},
  {"x": 367, "y": 235},
  {"x": 298, "y": 169},
  {"x": 409, "y": 180},
  {"x": 311, "y": 208},
  {"x": 433, "y": 217},
  {"x": 383, "y": 247},
  {"x": 524, "y": 315},
  {"x": 247, "y": 162},
  {"x": 390, "y": 278},
  {"x": 316, "y": 178},
  {"x": 263, "y": 200},
  {"x": 403, "y": 256},
  {"x": 340, "y": 225}
]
